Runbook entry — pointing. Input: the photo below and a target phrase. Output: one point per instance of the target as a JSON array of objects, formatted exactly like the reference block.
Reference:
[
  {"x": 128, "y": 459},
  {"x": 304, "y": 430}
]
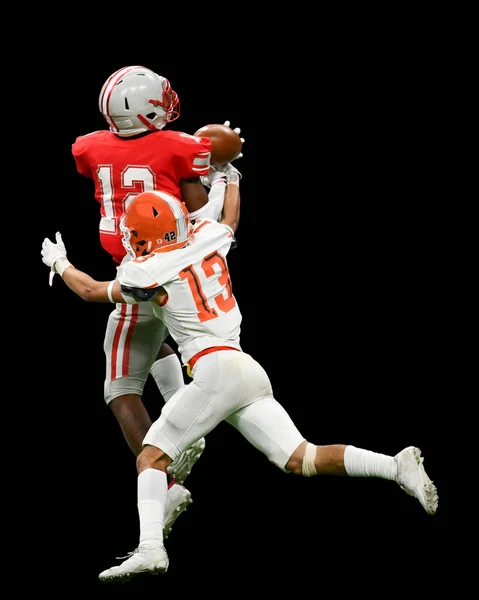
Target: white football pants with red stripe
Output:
[{"x": 132, "y": 341}]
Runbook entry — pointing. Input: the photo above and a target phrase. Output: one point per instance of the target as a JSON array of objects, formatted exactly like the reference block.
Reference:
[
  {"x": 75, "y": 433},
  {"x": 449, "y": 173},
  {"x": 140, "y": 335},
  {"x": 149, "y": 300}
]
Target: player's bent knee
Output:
[{"x": 152, "y": 457}]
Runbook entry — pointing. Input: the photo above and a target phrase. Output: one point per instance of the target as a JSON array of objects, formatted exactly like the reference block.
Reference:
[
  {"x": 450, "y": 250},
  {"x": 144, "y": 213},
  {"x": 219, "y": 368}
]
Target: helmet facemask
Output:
[{"x": 134, "y": 246}]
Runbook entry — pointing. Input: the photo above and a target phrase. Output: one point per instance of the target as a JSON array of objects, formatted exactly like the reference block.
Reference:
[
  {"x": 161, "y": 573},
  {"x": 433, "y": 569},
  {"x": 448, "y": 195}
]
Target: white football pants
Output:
[
  {"x": 133, "y": 338},
  {"x": 230, "y": 386}
]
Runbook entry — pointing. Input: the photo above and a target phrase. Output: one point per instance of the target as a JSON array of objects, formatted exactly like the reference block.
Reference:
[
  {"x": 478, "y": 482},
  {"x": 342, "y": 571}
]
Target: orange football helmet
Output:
[{"x": 154, "y": 222}]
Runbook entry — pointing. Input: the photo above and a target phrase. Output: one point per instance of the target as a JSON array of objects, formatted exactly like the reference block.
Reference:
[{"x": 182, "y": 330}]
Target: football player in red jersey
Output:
[{"x": 135, "y": 155}]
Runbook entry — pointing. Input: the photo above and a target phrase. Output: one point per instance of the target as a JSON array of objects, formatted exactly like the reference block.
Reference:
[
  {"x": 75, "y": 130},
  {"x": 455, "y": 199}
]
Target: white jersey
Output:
[{"x": 200, "y": 311}]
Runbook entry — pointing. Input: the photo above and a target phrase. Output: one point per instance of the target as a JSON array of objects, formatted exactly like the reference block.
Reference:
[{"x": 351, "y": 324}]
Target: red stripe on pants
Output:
[
  {"x": 116, "y": 339},
  {"x": 129, "y": 335}
]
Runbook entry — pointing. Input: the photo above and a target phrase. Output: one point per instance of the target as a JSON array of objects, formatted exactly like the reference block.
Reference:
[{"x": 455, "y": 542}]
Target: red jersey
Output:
[{"x": 121, "y": 168}]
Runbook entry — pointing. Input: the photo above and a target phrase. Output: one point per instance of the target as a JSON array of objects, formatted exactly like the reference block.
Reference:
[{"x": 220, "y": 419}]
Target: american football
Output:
[{"x": 226, "y": 143}]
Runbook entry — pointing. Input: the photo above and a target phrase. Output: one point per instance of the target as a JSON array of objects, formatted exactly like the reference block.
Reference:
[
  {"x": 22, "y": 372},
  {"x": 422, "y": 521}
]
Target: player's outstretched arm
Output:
[
  {"x": 90, "y": 289},
  {"x": 54, "y": 255},
  {"x": 232, "y": 201}
]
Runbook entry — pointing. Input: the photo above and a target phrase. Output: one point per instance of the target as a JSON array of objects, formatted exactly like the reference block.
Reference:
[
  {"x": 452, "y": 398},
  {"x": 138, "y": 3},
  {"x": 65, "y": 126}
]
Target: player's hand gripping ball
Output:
[{"x": 226, "y": 144}]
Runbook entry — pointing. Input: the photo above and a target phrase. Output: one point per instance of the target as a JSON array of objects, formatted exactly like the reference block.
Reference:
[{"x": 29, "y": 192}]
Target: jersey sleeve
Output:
[
  {"x": 132, "y": 274},
  {"x": 79, "y": 151},
  {"x": 220, "y": 235},
  {"x": 193, "y": 155}
]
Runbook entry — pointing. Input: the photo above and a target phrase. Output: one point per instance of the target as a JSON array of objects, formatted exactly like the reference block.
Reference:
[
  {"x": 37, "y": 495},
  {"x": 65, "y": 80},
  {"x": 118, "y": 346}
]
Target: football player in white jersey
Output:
[{"x": 182, "y": 269}]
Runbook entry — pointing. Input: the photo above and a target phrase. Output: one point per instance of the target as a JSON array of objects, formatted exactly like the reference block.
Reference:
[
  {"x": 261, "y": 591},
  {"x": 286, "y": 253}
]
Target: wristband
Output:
[
  {"x": 233, "y": 178},
  {"x": 61, "y": 264},
  {"x": 108, "y": 290}
]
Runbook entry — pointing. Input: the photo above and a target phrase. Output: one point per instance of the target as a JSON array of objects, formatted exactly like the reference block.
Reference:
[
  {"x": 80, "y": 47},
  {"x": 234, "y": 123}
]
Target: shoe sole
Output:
[
  {"x": 189, "y": 456},
  {"x": 177, "y": 511},
  {"x": 159, "y": 569},
  {"x": 426, "y": 492}
]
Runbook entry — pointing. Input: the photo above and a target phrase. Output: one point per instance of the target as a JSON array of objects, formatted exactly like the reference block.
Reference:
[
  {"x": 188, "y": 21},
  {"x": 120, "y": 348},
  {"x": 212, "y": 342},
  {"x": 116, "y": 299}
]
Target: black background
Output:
[{"x": 338, "y": 276}]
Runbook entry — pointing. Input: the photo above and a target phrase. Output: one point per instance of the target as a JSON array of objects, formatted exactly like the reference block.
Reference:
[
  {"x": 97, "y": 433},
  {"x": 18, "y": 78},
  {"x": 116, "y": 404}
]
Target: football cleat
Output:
[
  {"x": 177, "y": 502},
  {"x": 141, "y": 560},
  {"x": 181, "y": 467},
  {"x": 413, "y": 479}
]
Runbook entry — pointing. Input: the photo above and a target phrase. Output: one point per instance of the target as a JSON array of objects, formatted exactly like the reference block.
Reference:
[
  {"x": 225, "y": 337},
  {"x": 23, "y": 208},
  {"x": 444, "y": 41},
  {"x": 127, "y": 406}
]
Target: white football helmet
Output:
[{"x": 136, "y": 99}]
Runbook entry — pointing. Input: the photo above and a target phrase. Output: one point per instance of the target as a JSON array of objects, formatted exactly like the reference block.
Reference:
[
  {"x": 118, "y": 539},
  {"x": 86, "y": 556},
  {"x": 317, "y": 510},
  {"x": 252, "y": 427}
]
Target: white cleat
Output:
[
  {"x": 413, "y": 479},
  {"x": 181, "y": 467},
  {"x": 141, "y": 560},
  {"x": 177, "y": 501}
]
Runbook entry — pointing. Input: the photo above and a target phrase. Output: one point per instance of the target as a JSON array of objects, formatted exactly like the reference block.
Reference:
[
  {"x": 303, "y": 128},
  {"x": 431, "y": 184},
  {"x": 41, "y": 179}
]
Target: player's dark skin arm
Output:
[{"x": 193, "y": 193}]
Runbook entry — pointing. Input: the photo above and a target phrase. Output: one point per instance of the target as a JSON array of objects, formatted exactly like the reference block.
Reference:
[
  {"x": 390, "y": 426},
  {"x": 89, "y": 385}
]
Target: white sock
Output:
[
  {"x": 168, "y": 375},
  {"x": 152, "y": 492},
  {"x": 364, "y": 463}
]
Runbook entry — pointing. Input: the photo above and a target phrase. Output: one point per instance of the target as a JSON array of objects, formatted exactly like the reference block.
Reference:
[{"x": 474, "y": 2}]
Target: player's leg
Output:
[
  {"x": 133, "y": 419},
  {"x": 150, "y": 555},
  {"x": 187, "y": 417},
  {"x": 197, "y": 407},
  {"x": 132, "y": 341},
  {"x": 168, "y": 375},
  {"x": 406, "y": 468},
  {"x": 267, "y": 425},
  {"x": 153, "y": 494}
]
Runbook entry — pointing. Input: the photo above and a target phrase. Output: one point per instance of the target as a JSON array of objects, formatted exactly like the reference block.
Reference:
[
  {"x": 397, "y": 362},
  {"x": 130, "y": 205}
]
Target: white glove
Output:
[
  {"x": 213, "y": 175},
  {"x": 226, "y": 171},
  {"x": 55, "y": 256},
  {"x": 237, "y": 130},
  {"x": 232, "y": 174}
]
